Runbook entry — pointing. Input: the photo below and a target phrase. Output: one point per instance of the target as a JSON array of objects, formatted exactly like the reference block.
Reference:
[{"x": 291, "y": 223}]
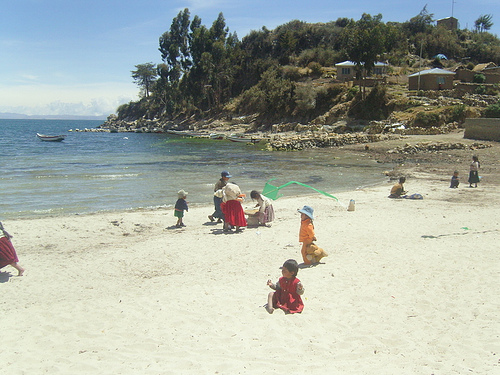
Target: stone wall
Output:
[{"x": 482, "y": 128}]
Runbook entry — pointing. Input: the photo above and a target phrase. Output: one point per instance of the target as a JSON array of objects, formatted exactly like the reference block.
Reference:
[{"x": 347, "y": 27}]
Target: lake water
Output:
[{"x": 91, "y": 172}]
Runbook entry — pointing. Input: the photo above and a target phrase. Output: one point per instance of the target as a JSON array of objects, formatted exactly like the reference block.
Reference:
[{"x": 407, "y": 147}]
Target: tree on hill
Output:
[
  {"x": 207, "y": 68},
  {"x": 145, "y": 75},
  {"x": 483, "y": 23},
  {"x": 364, "y": 42},
  {"x": 421, "y": 23}
]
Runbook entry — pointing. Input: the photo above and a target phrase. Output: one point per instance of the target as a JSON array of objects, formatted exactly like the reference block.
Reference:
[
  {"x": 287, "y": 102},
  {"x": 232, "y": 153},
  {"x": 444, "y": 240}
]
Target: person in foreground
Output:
[
  {"x": 180, "y": 207},
  {"x": 266, "y": 210},
  {"x": 8, "y": 254},
  {"x": 287, "y": 290},
  {"x": 306, "y": 233}
]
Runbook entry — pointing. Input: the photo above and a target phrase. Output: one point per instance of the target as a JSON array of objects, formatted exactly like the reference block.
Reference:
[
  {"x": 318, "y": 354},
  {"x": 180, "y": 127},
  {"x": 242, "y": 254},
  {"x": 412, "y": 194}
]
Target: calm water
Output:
[{"x": 90, "y": 172}]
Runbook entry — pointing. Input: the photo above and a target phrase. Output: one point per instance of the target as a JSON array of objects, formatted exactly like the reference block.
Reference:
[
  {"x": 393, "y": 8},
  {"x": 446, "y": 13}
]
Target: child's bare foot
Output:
[
  {"x": 269, "y": 308},
  {"x": 21, "y": 272}
]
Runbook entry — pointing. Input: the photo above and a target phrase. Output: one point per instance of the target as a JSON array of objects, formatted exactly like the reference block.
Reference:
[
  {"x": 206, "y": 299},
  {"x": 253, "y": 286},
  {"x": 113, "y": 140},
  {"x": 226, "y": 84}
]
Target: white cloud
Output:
[{"x": 85, "y": 100}]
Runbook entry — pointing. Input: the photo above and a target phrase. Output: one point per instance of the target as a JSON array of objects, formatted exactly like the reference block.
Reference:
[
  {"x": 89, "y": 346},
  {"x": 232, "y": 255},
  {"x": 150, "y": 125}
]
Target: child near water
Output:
[
  {"x": 180, "y": 207},
  {"x": 306, "y": 233},
  {"x": 287, "y": 290}
]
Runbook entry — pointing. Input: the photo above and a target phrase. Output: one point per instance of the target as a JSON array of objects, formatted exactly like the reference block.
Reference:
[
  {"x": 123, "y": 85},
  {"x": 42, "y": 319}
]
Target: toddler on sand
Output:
[
  {"x": 180, "y": 207},
  {"x": 288, "y": 290},
  {"x": 306, "y": 234}
]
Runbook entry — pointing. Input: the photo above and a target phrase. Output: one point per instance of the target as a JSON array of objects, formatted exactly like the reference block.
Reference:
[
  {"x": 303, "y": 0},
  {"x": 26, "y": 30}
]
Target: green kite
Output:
[{"x": 272, "y": 191}]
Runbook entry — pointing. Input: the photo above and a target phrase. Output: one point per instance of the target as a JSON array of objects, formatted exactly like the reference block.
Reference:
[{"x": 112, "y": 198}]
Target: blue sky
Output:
[{"x": 74, "y": 57}]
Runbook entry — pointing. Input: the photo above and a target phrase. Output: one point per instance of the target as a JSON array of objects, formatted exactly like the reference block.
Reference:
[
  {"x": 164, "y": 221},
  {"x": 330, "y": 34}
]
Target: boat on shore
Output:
[
  {"x": 242, "y": 138},
  {"x": 50, "y": 138},
  {"x": 185, "y": 133},
  {"x": 216, "y": 136}
]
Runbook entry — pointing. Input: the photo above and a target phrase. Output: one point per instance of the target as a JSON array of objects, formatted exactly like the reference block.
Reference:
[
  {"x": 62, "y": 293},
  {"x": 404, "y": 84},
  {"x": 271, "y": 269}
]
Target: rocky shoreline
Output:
[
  {"x": 329, "y": 131},
  {"x": 280, "y": 137}
]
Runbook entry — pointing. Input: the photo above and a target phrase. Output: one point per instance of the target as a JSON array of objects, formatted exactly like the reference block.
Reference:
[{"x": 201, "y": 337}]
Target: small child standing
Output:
[
  {"x": 454, "y": 180},
  {"x": 474, "y": 171},
  {"x": 306, "y": 233},
  {"x": 287, "y": 290},
  {"x": 180, "y": 207}
]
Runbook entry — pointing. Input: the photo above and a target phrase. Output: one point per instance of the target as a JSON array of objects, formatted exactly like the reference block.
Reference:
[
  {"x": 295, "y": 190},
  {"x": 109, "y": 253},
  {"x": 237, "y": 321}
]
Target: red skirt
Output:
[
  {"x": 7, "y": 252},
  {"x": 289, "y": 302},
  {"x": 233, "y": 213}
]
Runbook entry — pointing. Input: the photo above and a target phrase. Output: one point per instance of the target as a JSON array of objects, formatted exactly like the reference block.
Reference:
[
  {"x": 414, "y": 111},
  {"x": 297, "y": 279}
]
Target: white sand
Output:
[{"x": 410, "y": 287}]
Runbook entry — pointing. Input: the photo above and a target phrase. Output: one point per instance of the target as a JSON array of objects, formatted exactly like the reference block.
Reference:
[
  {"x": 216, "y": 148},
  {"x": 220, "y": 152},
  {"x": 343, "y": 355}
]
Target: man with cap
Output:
[{"x": 225, "y": 176}]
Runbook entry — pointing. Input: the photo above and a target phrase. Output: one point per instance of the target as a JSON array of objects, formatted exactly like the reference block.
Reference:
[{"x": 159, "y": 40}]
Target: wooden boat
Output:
[
  {"x": 177, "y": 132},
  {"x": 185, "y": 133},
  {"x": 50, "y": 138},
  {"x": 216, "y": 136},
  {"x": 241, "y": 138}
]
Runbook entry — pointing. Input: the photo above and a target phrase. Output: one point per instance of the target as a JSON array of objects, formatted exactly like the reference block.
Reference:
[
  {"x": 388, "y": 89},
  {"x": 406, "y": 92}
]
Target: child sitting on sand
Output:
[
  {"x": 306, "y": 233},
  {"x": 398, "y": 189},
  {"x": 266, "y": 210},
  {"x": 288, "y": 290},
  {"x": 180, "y": 207},
  {"x": 454, "y": 180}
]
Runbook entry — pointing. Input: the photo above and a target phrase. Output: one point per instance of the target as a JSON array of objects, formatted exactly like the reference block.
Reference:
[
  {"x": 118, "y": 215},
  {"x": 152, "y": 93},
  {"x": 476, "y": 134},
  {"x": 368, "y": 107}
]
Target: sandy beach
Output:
[{"x": 409, "y": 287}]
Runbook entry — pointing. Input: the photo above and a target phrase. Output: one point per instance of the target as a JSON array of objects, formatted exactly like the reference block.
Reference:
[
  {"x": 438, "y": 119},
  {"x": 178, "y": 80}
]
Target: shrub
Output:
[
  {"x": 291, "y": 72},
  {"x": 373, "y": 107},
  {"x": 492, "y": 111},
  {"x": 272, "y": 95},
  {"x": 351, "y": 93},
  {"x": 305, "y": 99},
  {"x": 458, "y": 113},
  {"x": 426, "y": 119},
  {"x": 479, "y": 78},
  {"x": 325, "y": 57},
  {"x": 481, "y": 90},
  {"x": 315, "y": 68},
  {"x": 492, "y": 90},
  {"x": 133, "y": 110}
]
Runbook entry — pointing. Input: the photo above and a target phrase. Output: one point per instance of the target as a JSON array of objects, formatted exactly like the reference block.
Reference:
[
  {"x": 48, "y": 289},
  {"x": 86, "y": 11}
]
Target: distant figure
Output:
[
  {"x": 398, "y": 190},
  {"x": 234, "y": 216},
  {"x": 218, "y": 214},
  {"x": 474, "y": 171},
  {"x": 454, "y": 180},
  {"x": 288, "y": 290},
  {"x": 180, "y": 207},
  {"x": 306, "y": 233},
  {"x": 8, "y": 254},
  {"x": 266, "y": 210}
]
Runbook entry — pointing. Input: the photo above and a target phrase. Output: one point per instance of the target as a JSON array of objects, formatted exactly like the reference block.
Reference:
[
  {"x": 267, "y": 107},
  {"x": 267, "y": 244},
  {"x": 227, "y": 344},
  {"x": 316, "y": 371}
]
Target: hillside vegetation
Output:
[{"x": 287, "y": 75}]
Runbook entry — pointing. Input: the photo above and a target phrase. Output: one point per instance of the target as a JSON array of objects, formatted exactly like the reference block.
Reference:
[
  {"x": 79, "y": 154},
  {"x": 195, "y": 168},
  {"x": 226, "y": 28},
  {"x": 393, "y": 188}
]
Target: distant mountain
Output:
[{"x": 18, "y": 116}]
